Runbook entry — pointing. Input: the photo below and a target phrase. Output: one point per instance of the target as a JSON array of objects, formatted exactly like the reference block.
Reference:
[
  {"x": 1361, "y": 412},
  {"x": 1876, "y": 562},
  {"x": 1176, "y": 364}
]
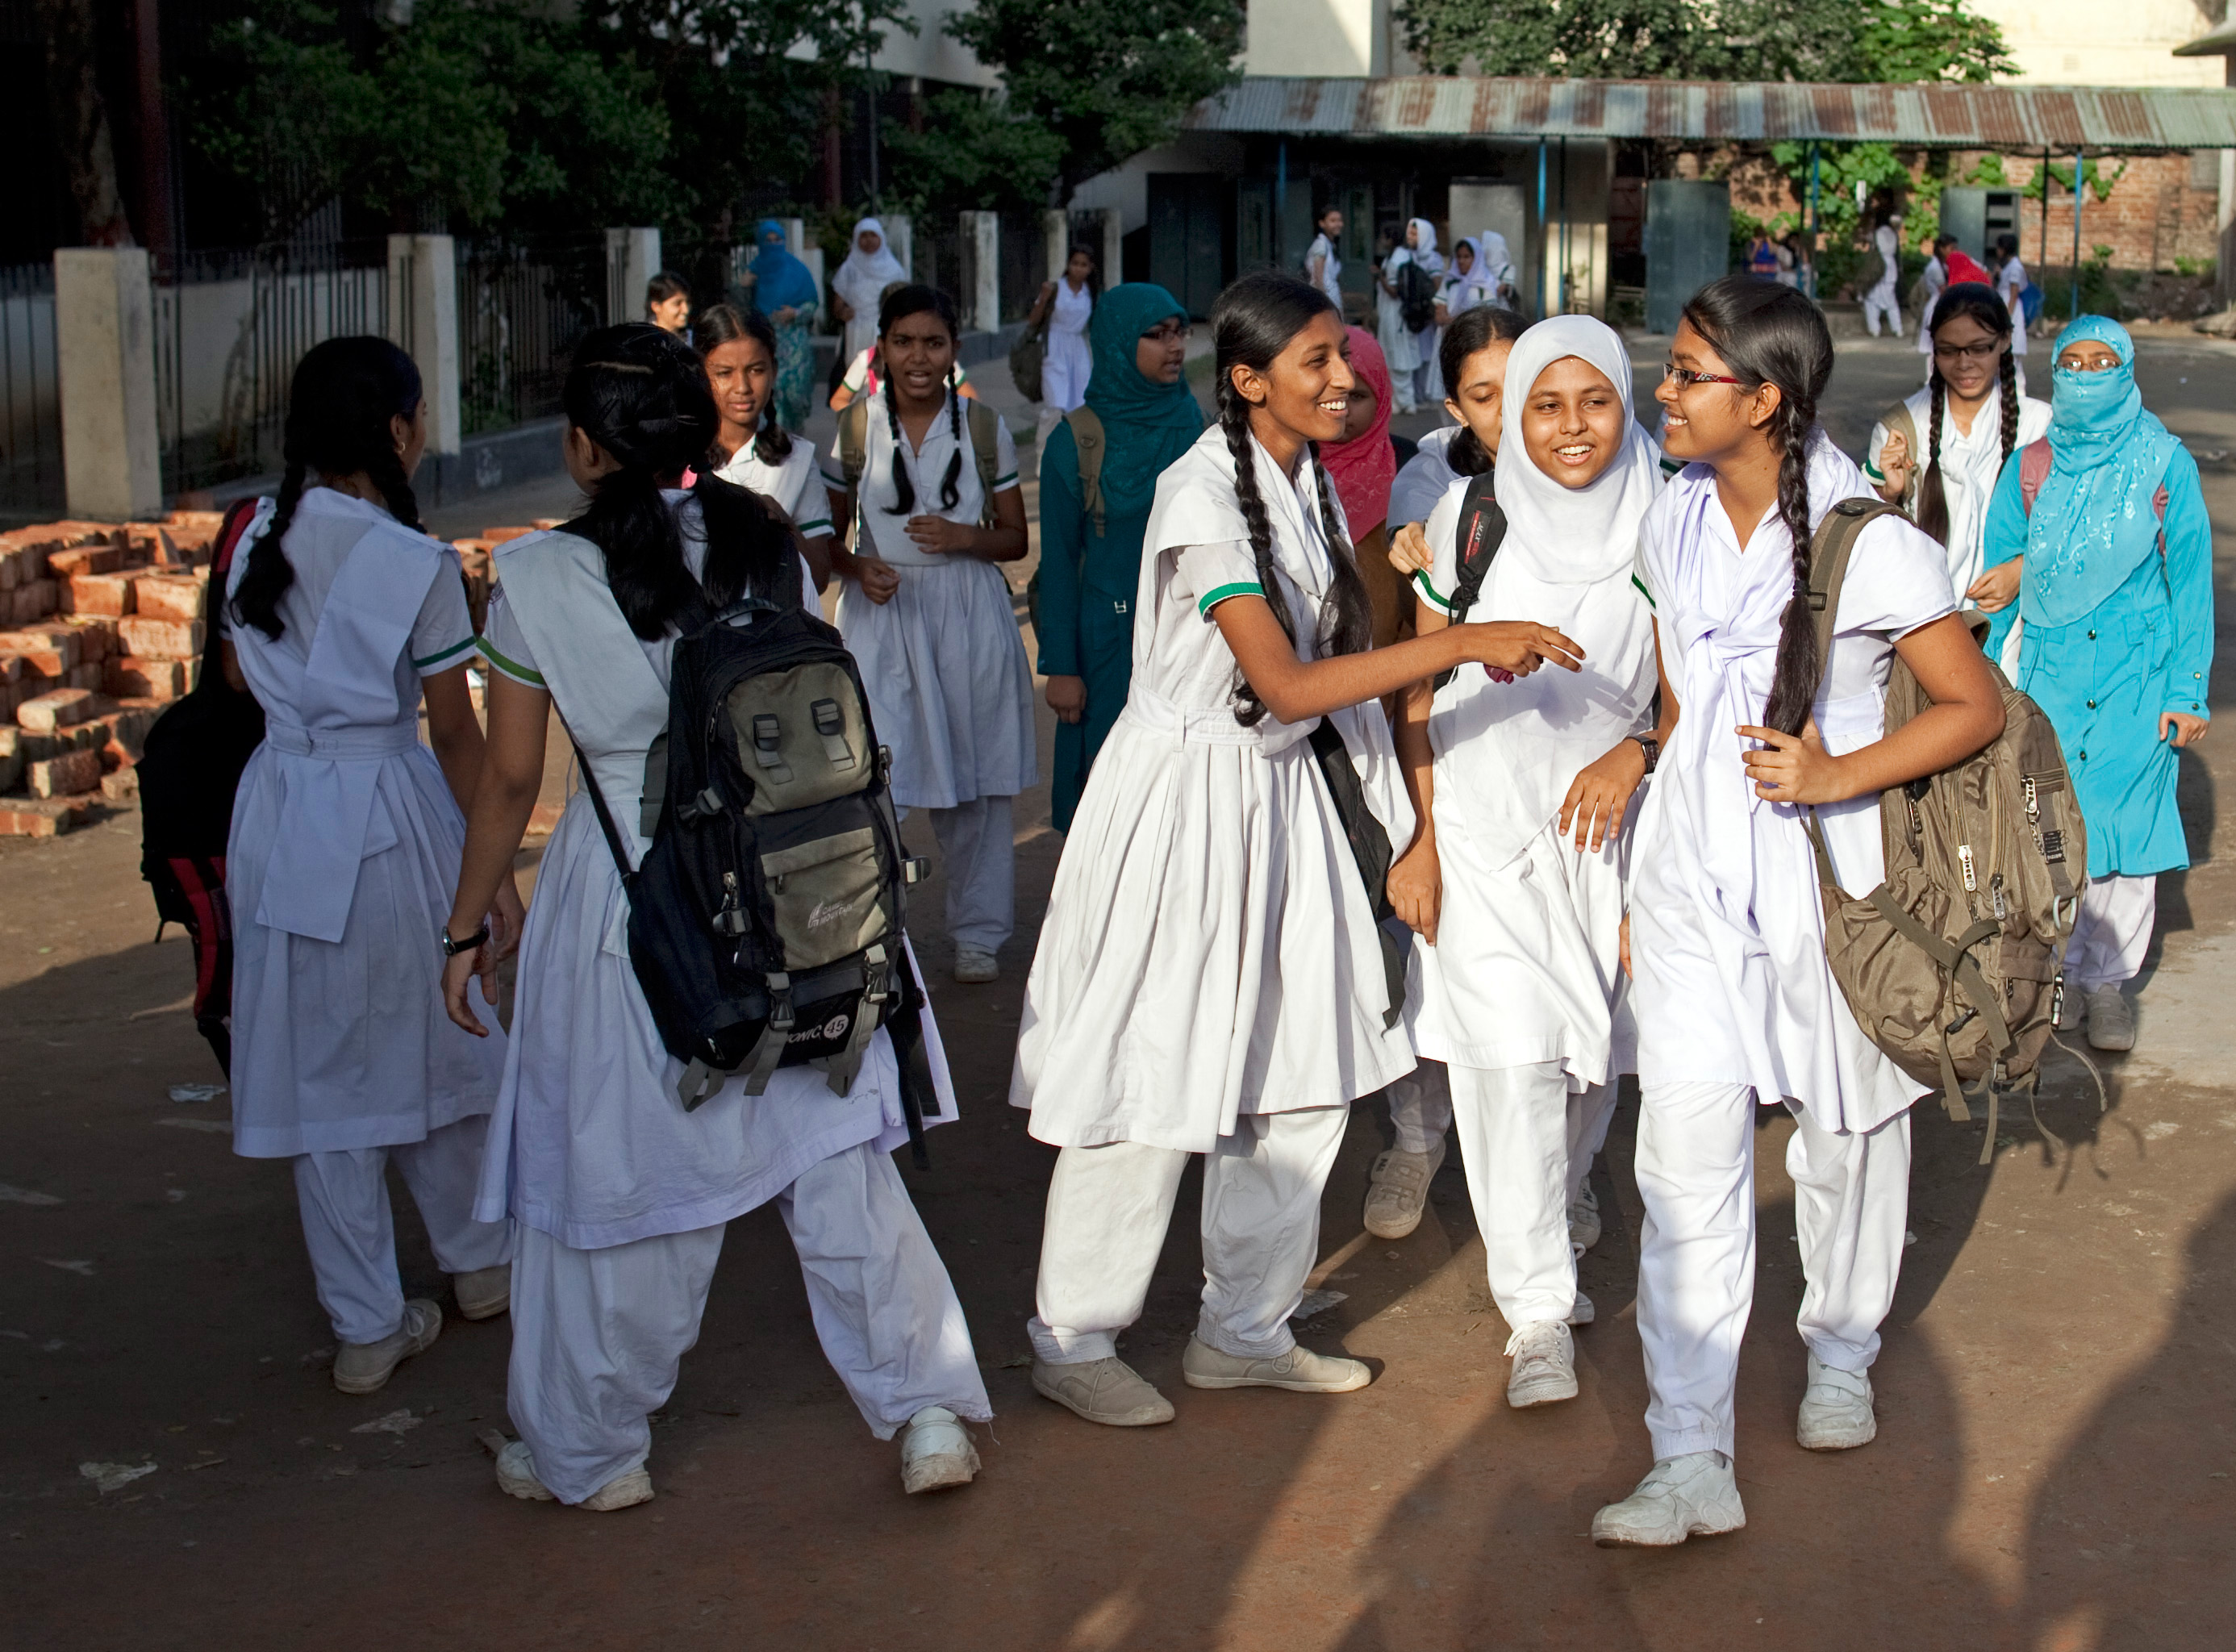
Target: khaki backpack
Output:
[
  {"x": 1953, "y": 965},
  {"x": 985, "y": 448}
]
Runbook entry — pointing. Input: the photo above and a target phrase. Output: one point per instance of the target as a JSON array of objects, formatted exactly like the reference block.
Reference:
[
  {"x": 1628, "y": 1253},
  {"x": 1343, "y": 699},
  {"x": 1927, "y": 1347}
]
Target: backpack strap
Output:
[
  {"x": 854, "y": 441},
  {"x": 1086, "y": 435},
  {"x": 1482, "y": 531},
  {"x": 1829, "y": 554},
  {"x": 986, "y": 447}
]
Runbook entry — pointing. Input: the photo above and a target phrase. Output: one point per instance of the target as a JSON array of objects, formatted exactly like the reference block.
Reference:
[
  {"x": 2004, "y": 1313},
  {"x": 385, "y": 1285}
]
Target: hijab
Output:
[
  {"x": 2094, "y": 520},
  {"x": 1464, "y": 291},
  {"x": 1425, "y": 253},
  {"x": 862, "y": 279},
  {"x": 779, "y": 279},
  {"x": 1145, "y": 425},
  {"x": 1574, "y": 536},
  {"x": 1495, "y": 260},
  {"x": 1362, "y": 468}
]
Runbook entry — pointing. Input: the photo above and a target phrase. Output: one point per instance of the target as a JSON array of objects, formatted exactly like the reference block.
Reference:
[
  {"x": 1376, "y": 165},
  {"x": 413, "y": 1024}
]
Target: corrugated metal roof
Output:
[{"x": 2011, "y": 118}]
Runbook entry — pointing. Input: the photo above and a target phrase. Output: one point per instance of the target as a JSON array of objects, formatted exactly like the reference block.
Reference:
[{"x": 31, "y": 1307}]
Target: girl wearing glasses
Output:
[
  {"x": 2106, "y": 574},
  {"x": 1736, "y": 1004},
  {"x": 1938, "y": 452}
]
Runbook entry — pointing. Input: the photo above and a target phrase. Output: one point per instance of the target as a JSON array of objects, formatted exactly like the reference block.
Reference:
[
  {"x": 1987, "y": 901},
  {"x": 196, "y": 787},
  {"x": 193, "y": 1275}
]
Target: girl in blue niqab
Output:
[
  {"x": 2107, "y": 576},
  {"x": 785, "y": 290}
]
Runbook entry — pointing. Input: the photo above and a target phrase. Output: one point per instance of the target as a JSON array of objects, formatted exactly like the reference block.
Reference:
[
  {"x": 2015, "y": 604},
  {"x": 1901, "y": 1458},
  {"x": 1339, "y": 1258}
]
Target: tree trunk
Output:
[{"x": 82, "y": 126}]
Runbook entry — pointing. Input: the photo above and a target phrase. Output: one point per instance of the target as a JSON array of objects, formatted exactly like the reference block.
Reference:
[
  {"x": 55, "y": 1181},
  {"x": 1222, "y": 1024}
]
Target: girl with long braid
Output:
[
  {"x": 1210, "y": 979},
  {"x": 1725, "y": 939},
  {"x": 1938, "y": 452},
  {"x": 753, "y": 449},
  {"x": 345, "y": 842},
  {"x": 927, "y": 503}
]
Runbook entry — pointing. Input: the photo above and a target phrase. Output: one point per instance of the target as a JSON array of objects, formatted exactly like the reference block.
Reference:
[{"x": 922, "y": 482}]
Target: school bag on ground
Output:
[
  {"x": 188, "y": 773},
  {"x": 1952, "y": 965},
  {"x": 765, "y": 921}
]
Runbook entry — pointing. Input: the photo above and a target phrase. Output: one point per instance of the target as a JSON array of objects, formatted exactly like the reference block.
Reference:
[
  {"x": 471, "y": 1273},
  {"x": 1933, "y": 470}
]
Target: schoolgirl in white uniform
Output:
[
  {"x": 929, "y": 616},
  {"x": 345, "y": 838},
  {"x": 1516, "y": 881},
  {"x": 1068, "y": 305},
  {"x": 621, "y": 1195},
  {"x": 739, "y": 347},
  {"x": 1210, "y": 979},
  {"x": 1736, "y": 1004}
]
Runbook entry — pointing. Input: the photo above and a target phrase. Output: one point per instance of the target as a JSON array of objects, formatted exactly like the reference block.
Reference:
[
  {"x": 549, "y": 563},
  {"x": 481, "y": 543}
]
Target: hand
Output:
[
  {"x": 783, "y": 314},
  {"x": 1416, "y": 887},
  {"x": 940, "y": 538},
  {"x": 1792, "y": 768},
  {"x": 2187, "y": 730},
  {"x": 1518, "y": 646},
  {"x": 1622, "y": 947},
  {"x": 456, "y": 972},
  {"x": 879, "y": 579},
  {"x": 1894, "y": 464},
  {"x": 1067, "y": 697},
  {"x": 1601, "y": 792},
  {"x": 1409, "y": 550},
  {"x": 1998, "y": 587},
  {"x": 507, "y": 917}
]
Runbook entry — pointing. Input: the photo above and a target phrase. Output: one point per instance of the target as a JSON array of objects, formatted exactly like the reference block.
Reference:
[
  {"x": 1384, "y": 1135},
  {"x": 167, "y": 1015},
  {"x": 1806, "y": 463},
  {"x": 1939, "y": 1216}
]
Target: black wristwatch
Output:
[
  {"x": 1652, "y": 747},
  {"x": 451, "y": 948}
]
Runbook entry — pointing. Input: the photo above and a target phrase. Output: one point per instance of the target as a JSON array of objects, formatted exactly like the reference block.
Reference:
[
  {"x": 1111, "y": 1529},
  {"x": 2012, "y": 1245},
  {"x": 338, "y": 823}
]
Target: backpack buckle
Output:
[
  {"x": 768, "y": 744},
  {"x": 914, "y": 870},
  {"x": 831, "y": 725}
]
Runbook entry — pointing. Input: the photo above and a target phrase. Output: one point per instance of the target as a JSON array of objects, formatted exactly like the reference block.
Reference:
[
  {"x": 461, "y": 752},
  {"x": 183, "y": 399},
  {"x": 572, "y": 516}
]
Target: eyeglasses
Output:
[
  {"x": 2086, "y": 364},
  {"x": 1165, "y": 332},
  {"x": 1687, "y": 378},
  {"x": 1980, "y": 352}
]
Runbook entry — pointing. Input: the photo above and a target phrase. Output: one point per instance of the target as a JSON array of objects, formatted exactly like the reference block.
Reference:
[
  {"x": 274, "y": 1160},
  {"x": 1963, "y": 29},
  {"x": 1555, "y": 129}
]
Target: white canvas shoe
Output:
[
  {"x": 1300, "y": 1370},
  {"x": 364, "y": 1367},
  {"x": 516, "y": 1478},
  {"x": 1397, "y": 1190},
  {"x": 483, "y": 1293},
  {"x": 1545, "y": 1374},
  {"x": 1584, "y": 1228},
  {"x": 937, "y": 1451},
  {"x": 1107, "y": 1390},
  {"x": 1693, "y": 1496},
  {"x": 1836, "y": 1412},
  {"x": 1583, "y": 1313},
  {"x": 2111, "y": 1020},
  {"x": 975, "y": 966}
]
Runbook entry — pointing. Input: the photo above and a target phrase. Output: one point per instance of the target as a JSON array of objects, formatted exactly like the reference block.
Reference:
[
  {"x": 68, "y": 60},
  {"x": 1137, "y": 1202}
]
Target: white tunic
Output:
[
  {"x": 589, "y": 1143},
  {"x": 1401, "y": 349},
  {"x": 345, "y": 849},
  {"x": 1970, "y": 467},
  {"x": 1425, "y": 478},
  {"x": 1331, "y": 269},
  {"x": 1727, "y": 930},
  {"x": 793, "y": 483},
  {"x": 1065, "y": 368},
  {"x": 950, "y": 686},
  {"x": 1208, "y": 949}
]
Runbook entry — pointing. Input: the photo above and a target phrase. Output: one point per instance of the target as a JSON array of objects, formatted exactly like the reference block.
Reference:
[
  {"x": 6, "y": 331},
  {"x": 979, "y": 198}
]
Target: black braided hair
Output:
[
  {"x": 1470, "y": 330},
  {"x": 721, "y": 324},
  {"x": 1979, "y": 302},
  {"x": 641, "y": 394},
  {"x": 898, "y": 304},
  {"x": 345, "y": 392},
  {"x": 1770, "y": 334},
  {"x": 1252, "y": 323}
]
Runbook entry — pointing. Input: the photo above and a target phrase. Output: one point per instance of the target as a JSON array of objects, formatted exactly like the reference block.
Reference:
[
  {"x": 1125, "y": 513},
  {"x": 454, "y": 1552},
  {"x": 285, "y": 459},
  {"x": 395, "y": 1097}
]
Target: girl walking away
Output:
[
  {"x": 783, "y": 291},
  {"x": 1066, "y": 305},
  {"x": 859, "y": 282},
  {"x": 1210, "y": 977},
  {"x": 621, "y": 1194},
  {"x": 1428, "y": 387},
  {"x": 752, "y": 449},
  {"x": 932, "y": 500},
  {"x": 2105, "y": 575},
  {"x": 346, "y": 832},
  {"x": 1362, "y": 464},
  {"x": 1736, "y": 1004},
  {"x": 1515, "y": 881},
  {"x": 1938, "y": 452},
  {"x": 1145, "y": 417}
]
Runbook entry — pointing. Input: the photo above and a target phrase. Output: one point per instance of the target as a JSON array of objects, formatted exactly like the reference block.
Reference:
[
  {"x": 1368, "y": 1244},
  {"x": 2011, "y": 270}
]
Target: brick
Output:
[
  {"x": 162, "y": 639},
  {"x": 96, "y": 636},
  {"x": 86, "y": 674},
  {"x": 127, "y": 730},
  {"x": 11, "y": 668},
  {"x": 39, "y": 818},
  {"x": 46, "y": 712},
  {"x": 47, "y": 652},
  {"x": 122, "y": 786},
  {"x": 87, "y": 559},
  {"x": 34, "y": 600},
  {"x": 167, "y": 597},
  {"x": 110, "y": 594},
  {"x": 130, "y": 676},
  {"x": 64, "y": 776}
]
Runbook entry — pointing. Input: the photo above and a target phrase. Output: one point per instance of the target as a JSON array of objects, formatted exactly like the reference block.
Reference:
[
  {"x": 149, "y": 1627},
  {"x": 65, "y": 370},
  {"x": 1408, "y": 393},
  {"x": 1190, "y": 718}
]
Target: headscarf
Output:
[
  {"x": 1425, "y": 253},
  {"x": 1496, "y": 260},
  {"x": 1461, "y": 293},
  {"x": 2094, "y": 523},
  {"x": 1362, "y": 468},
  {"x": 1574, "y": 536},
  {"x": 779, "y": 279},
  {"x": 862, "y": 279},
  {"x": 1145, "y": 425}
]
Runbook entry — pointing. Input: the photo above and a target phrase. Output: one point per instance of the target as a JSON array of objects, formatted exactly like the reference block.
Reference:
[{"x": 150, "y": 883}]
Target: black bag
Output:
[
  {"x": 765, "y": 921},
  {"x": 189, "y": 773},
  {"x": 1370, "y": 853},
  {"x": 1416, "y": 296},
  {"x": 1482, "y": 531}
]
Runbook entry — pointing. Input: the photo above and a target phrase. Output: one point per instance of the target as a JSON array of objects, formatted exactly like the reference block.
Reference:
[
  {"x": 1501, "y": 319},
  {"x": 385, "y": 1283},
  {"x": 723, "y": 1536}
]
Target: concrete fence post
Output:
[
  {"x": 900, "y": 237},
  {"x": 632, "y": 260},
  {"x": 1056, "y": 228},
  {"x": 982, "y": 271},
  {"x": 423, "y": 308},
  {"x": 1114, "y": 246},
  {"x": 105, "y": 360}
]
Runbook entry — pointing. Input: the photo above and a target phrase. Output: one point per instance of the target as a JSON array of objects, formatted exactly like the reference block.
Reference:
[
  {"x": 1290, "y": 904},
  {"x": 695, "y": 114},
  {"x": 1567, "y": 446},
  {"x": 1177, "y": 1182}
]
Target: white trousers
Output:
[
  {"x": 350, "y": 1231},
  {"x": 1515, "y": 1141},
  {"x": 978, "y": 851},
  {"x": 1696, "y": 1256},
  {"x": 2112, "y": 932},
  {"x": 1421, "y": 1112},
  {"x": 1880, "y": 301},
  {"x": 597, "y": 1335},
  {"x": 1108, "y": 1210}
]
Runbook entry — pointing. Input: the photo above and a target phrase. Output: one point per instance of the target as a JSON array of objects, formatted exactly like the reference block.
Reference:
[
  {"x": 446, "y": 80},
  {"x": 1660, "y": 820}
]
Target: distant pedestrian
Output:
[
  {"x": 2016, "y": 289},
  {"x": 783, "y": 291},
  {"x": 1323, "y": 267},
  {"x": 1880, "y": 302},
  {"x": 667, "y": 303},
  {"x": 861, "y": 280},
  {"x": 1401, "y": 349},
  {"x": 1066, "y": 304}
]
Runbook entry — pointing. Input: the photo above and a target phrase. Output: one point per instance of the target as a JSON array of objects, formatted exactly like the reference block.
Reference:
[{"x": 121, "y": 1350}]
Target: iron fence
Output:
[
  {"x": 523, "y": 306},
  {"x": 1022, "y": 261},
  {"x": 30, "y": 402},
  {"x": 936, "y": 250}
]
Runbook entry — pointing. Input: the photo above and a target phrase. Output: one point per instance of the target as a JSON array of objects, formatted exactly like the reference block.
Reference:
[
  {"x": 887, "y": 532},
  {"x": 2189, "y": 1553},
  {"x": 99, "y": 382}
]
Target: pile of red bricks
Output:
[{"x": 104, "y": 628}]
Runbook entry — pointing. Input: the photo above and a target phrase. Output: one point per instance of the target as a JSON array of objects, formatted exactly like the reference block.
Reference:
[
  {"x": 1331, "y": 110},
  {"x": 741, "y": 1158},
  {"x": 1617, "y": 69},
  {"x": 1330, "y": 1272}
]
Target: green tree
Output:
[{"x": 975, "y": 153}]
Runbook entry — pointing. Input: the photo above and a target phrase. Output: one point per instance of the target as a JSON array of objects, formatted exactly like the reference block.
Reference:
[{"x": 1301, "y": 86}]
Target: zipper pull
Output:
[
  {"x": 1964, "y": 859},
  {"x": 731, "y": 920}
]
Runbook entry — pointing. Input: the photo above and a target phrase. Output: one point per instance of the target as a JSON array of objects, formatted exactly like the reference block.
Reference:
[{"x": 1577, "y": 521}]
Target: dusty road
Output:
[{"x": 2056, "y": 1395}]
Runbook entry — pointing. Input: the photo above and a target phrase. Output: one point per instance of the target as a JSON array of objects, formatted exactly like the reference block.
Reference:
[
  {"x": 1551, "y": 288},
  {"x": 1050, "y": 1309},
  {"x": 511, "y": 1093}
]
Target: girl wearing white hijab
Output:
[
  {"x": 1515, "y": 882},
  {"x": 869, "y": 269},
  {"x": 1465, "y": 283},
  {"x": 1427, "y": 378}
]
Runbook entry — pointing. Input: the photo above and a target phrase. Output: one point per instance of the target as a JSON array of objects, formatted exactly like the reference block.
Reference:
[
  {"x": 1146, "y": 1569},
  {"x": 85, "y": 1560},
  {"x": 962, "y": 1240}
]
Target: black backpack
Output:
[
  {"x": 1482, "y": 531},
  {"x": 1416, "y": 296},
  {"x": 765, "y": 921},
  {"x": 189, "y": 773}
]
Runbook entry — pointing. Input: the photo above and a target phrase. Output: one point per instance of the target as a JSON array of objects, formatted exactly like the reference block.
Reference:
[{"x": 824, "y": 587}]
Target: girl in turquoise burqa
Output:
[
  {"x": 2106, "y": 572},
  {"x": 1091, "y": 549},
  {"x": 784, "y": 290}
]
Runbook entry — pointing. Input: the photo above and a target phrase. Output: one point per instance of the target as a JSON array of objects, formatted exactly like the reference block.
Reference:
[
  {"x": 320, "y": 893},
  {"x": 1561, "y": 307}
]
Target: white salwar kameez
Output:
[
  {"x": 861, "y": 278},
  {"x": 1736, "y": 1004},
  {"x": 1209, "y": 978},
  {"x": 1971, "y": 465},
  {"x": 949, "y": 687},
  {"x": 1882, "y": 302},
  {"x": 622, "y": 1195},
  {"x": 1401, "y": 349},
  {"x": 1065, "y": 367},
  {"x": 343, "y": 853},
  {"x": 793, "y": 484}
]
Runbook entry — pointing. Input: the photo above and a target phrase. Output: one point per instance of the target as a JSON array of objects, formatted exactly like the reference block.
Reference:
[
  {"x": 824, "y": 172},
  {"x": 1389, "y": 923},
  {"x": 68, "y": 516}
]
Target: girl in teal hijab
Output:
[
  {"x": 1146, "y": 416},
  {"x": 2112, "y": 573},
  {"x": 783, "y": 291}
]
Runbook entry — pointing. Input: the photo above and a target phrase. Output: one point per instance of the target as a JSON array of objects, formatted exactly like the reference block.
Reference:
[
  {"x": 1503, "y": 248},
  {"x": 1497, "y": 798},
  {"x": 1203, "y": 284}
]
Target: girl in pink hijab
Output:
[{"x": 1362, "y": 465}]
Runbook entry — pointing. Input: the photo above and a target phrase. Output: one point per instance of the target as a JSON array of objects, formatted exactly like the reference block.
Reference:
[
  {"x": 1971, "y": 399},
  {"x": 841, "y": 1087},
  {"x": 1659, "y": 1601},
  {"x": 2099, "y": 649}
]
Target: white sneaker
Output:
[
  {"x": 1583, "y": 1313},
  {"x": 1836, "y": 1412},
  {"x": 1300, "y": 1370},
  {"x": 1584, "y": 1228},
  {"x": 1693, "y": 1496},
  {"x": 365, "y": 1367},
  {"x": 975, "y": 966},
  {"x": 1107, "y": 1390},
  {"x": 483, "y": 1293},
  {"x": 516, "y": 1478},
  {"x": 937, "y": 1451},
  {"x": 1544, "y": 1355},
  {"x": 1397, "y": 1190},
  {"x": 2111, "y": 1020}
]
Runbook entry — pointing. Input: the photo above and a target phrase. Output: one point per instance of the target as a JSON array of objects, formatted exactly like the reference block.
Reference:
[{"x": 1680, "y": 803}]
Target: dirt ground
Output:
[{"x": 2053, "y": 1470}]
